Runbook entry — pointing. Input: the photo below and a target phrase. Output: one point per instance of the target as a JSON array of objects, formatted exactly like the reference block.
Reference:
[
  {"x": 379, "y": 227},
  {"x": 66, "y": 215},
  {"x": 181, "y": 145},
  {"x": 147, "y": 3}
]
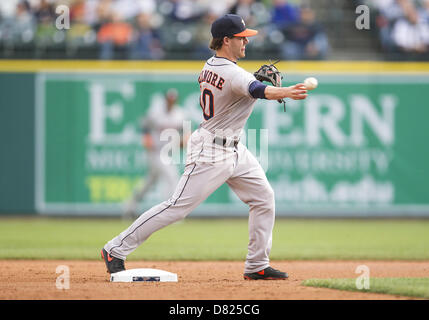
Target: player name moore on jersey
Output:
[
  {"x": 212, "y": 78},
  {"x": 225, "y": 98}
]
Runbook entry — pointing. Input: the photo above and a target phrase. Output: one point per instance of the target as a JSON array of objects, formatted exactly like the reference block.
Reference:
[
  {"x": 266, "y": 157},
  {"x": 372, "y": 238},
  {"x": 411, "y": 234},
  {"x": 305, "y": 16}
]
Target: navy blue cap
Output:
[{"x": 231, "y": 25}]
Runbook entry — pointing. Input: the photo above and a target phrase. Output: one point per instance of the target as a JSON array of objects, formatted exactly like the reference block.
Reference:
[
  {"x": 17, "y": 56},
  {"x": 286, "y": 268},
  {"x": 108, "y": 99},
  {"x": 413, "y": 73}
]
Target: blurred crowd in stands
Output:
[
  {"x": 402, "y": 27},
  {"x": 180, "y": 29},
  {"x": 155, "y": 29}
]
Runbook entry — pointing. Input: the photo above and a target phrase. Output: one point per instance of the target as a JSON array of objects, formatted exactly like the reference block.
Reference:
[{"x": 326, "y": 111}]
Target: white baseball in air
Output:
[{"x": 311, "y": 83}]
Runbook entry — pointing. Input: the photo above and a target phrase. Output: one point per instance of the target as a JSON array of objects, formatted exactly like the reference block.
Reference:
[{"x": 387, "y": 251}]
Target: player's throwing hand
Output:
[
  {"x": 295, "y": 92},
  {"x": 298, "y": 91}
]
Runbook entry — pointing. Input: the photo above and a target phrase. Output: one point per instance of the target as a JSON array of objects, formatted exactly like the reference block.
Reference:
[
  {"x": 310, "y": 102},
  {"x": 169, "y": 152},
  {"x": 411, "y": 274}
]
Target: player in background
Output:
[
  {"x": 169, "y": 115},
  {"x": 228, "y": 94}
]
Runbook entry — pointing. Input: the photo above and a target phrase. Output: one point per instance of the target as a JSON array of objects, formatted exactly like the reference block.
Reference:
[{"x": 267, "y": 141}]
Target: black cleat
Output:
[
  {"x": 113, "y": 264},
  {"x": 266, "y": 274}
]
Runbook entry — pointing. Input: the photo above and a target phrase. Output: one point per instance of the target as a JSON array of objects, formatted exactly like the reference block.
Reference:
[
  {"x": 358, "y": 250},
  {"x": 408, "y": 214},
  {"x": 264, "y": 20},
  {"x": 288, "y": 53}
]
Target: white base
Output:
[{"x": 139, "y": 275}]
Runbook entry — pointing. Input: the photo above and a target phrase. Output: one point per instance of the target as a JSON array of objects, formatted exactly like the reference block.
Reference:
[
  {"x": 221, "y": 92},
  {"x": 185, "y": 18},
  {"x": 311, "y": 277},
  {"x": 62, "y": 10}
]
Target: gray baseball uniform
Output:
[
  {"x": 215, "y": 156},
  {"x": 156, "y": 121}
]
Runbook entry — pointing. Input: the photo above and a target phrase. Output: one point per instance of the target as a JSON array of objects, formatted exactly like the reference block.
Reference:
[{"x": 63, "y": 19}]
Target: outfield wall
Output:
[{"x": 357, "y": 146}]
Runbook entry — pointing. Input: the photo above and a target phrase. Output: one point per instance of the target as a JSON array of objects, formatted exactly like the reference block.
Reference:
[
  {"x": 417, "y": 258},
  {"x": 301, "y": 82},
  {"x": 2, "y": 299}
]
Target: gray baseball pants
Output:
[{"x": 208, "y": 166}]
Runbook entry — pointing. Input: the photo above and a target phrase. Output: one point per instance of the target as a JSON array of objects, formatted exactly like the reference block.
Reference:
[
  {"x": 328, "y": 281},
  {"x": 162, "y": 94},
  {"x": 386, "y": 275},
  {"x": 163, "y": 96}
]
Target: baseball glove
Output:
[{"x": 269, "y": 73}]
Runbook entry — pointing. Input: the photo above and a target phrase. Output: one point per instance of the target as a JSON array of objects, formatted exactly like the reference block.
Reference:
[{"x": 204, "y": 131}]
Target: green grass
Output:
[
  {"x": 218, "y": 239},
  {"x": 410, "y": 287}
]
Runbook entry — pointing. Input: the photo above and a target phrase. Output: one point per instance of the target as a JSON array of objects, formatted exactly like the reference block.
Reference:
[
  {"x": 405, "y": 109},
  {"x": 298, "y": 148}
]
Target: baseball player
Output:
[
  {"x": 159, "y": 118},
  {"x": 215, "y": 155}
]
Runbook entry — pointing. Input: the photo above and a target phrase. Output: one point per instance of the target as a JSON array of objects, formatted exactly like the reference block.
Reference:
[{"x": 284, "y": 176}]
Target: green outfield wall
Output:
[
  {"x": 17, "y": 143},
  {"x": 357, "y": 146}
]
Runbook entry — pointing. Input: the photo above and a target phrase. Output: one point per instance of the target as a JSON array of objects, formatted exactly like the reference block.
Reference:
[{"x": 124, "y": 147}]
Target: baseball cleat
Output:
[
  {"x": 266, "y": 274},
  {"x": 113, "y": 264}
]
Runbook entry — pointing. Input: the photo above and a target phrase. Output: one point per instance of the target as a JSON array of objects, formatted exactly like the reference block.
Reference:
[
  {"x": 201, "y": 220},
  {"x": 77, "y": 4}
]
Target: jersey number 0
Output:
[{"x": 207, "y": 104}]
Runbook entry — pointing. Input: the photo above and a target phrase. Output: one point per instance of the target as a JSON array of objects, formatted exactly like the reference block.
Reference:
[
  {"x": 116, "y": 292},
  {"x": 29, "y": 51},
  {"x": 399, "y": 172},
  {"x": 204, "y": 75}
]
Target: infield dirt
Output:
[{"x": 217, "y": 280}]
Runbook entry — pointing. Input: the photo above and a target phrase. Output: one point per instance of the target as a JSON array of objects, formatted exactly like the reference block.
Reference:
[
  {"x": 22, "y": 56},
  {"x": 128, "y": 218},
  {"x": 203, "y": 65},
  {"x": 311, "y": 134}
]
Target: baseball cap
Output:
[{"x": 231, "y": 25}]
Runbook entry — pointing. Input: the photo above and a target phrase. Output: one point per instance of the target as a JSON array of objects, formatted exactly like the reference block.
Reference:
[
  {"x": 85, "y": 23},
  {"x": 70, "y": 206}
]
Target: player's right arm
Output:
[
  {"x": 295, "y": 92},
  {"x": 147, "y": 141},
  {"x": 245, "y": 83}
]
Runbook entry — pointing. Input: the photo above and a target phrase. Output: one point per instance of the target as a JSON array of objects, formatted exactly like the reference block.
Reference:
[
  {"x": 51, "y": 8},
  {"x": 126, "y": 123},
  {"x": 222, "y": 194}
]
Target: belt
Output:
[{"x": 224, "y": 142}]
